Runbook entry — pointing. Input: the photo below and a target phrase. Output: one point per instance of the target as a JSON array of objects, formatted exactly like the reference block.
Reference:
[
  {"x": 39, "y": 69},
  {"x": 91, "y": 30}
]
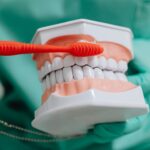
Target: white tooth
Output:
[
  {"x": 81, "y": 61},
  {"x": 40, "y": 74},
  {"x": 67, "y": 74},
  {"x": 77, "y": 72},
  {"x": 59, "y": 76},
  {"x": 109, "y": 75},
  {"x": 48, "y": 84},
  {"x": 93, "y": 61},
  {"x": 57, "y": 63},
  {"x": 122, "y": 66},
  {"x": 121, "y": 76},
  {"x": 42, "y": 71},
  {"x": 111, "y": 64},
  {"x": 102, "y": 63},
  {"x": 98, "y": 73},
  {"x": 68, "y": 61},
  {"x": 52, "y": 79},
  {"x": 44, "y": 85},
  {"x": 48, "y": 68},
  {"x": 88, "y": 72}
]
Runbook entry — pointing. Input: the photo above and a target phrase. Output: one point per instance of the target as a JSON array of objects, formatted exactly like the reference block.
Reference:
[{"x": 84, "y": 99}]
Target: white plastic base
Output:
[{"x": 73, "y": 115}]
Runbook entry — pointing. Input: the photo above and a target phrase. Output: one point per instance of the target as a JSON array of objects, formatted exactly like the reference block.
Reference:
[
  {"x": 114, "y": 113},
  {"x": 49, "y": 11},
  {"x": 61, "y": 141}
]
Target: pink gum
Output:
[
  {"x": 78, "y": 86},
  {"x": 111, "y": 50}
]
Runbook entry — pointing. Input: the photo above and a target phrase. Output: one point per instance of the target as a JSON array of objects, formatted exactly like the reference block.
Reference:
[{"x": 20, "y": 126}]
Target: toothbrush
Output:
[{"x": 8, "y": 48}]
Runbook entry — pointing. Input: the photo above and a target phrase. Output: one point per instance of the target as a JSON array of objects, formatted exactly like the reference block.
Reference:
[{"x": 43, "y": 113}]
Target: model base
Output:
[{"x": 73, "y": 115}]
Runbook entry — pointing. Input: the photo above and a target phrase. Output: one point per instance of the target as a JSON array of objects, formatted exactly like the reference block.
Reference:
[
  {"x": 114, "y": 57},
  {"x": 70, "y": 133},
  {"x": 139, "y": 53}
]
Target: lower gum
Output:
[{"x": 79, "y": 86}]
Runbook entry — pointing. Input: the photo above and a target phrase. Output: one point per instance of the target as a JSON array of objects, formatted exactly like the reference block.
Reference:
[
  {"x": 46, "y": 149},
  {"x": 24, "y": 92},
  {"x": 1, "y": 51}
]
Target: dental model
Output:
[{"x": 79, "y": 92}]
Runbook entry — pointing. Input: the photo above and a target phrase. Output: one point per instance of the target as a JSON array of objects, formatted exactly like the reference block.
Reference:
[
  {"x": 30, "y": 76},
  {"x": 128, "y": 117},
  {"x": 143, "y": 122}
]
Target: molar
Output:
[
  {"x": 122, "y": 66},
  {"x": 88, "y": 71},
  {"x": 111, "y": 64},
  {"x": 121, "y": 76},
  {"x": 98, "y": 73},
  {"x": 109, "y": 75}
]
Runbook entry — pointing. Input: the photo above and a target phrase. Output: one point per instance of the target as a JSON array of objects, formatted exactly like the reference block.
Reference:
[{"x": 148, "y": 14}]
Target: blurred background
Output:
[{"x": 20, "y": 90}]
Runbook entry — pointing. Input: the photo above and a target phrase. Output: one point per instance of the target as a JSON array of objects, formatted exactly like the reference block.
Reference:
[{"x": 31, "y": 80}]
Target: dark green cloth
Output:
[{"x": 19, "y": 20}]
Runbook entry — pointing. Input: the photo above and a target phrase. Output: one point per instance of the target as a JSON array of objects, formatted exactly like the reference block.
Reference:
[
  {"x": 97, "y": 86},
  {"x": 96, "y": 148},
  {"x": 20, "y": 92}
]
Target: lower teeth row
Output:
[{"x": 77, "y": 73}]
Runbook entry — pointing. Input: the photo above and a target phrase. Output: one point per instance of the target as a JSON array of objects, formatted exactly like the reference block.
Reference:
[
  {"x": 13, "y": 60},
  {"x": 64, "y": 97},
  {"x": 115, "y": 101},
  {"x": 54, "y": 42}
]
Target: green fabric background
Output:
[{"x": 19, "y": 20}]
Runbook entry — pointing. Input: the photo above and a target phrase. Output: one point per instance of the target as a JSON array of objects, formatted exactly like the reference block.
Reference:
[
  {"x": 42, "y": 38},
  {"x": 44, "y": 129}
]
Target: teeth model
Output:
[
  {"x": 79, "y": 92},
  {"x": 72, "y": 69}
]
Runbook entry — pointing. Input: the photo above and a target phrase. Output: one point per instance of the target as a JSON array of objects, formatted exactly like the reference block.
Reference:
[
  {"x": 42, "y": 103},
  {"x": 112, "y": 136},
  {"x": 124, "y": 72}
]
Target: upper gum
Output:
[{"x": 121, "y": 54}]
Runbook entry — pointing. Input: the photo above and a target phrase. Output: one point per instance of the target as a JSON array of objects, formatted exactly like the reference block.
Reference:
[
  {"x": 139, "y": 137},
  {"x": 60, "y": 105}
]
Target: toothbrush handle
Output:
[{"x": 8, "y": 48}]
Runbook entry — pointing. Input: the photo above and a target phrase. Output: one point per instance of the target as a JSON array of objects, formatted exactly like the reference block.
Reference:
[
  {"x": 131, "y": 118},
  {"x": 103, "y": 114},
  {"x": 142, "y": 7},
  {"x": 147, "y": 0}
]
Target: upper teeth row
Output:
[{"x": 94, "y": 61}]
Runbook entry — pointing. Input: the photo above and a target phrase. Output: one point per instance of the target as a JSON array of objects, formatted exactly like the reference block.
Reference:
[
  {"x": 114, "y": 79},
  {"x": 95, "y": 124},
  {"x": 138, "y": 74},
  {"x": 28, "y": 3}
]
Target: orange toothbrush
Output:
[{"x": 8, "y": 48}]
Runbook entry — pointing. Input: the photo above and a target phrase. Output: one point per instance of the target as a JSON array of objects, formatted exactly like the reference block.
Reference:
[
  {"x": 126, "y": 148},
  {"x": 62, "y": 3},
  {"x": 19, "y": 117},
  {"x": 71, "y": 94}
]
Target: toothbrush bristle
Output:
[{"x": 85, "y": 49}]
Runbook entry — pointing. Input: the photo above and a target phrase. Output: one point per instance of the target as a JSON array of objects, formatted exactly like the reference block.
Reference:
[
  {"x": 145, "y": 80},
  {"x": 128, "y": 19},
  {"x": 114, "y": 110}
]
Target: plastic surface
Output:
[
  {"x": 100, "y": 31},
  {"x": 73, "y": 115}
]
